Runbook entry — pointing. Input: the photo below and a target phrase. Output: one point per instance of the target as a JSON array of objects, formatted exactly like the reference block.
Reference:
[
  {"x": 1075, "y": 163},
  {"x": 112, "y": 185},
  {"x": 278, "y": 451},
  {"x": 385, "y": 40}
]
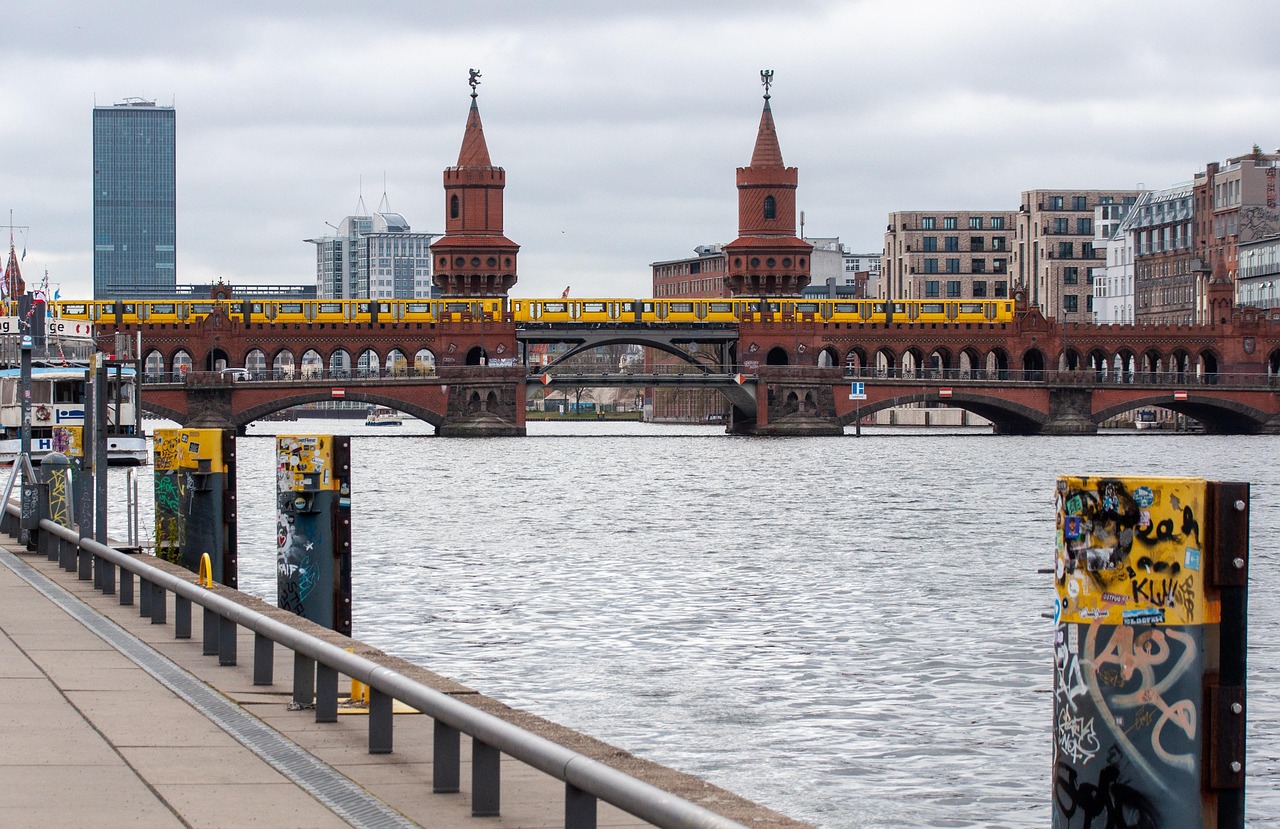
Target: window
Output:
[
  {"x": 1071, "y": 303},
  {"x": 1106, "y": 200},
  {"x": 1002, "y": 290},
  {"x": 998, "y": 265},
  {"x": 975, "y": 223},
  {"x": 980, "y": 289},
  {"x": 1070, "y": 276},
  {"x": 931, "y": 266},
  {"x": 1060, "y": 225},
  {"x": 1130, "y": 199},
  {"x": 931, "y": 288},
  {"x": 1084, "y": 227},
  {"x": 453, "y": 207},
  {"x": 953, "y": 243},
  {"x": 1089, "y": 303},
  {"x": 949, "y": 223},
  {"x": 997, "y": 222},
  {"x": 1079, "y": 203},
  {"x": 997, "y": 243},
  {"x": 1086, "y": 250},
  {"x": 979, "y": 266},
  {"x": 770, "y": 208},
  {"x": 931, "y": 243},
  {"x": 953, "y": 266},
  {"x": 1055, "y": 202},
  {"x": 927, "y": 223},
  {"x": 953, "y": 289},
  {"x": 1066, "y": 250}
]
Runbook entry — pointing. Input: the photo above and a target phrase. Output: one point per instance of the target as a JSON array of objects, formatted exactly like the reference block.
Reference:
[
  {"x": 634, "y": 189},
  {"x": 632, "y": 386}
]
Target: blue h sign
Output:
[{"x": 857, "y": 391}]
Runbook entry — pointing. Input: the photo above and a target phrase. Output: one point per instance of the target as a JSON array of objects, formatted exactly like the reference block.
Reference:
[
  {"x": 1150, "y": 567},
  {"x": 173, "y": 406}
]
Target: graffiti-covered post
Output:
[
  {"x": 1149, "y": 663},
  {"x": 313, "y": 553},
  {"x": 195, "y": 492}
]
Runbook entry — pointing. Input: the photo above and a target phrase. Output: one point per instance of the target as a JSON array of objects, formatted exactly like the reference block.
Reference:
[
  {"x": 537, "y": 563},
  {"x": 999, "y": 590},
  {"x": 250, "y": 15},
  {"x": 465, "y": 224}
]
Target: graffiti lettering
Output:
[
  {"x": 1076, "y": 737},
  {"x": 1119, "y": 805}
]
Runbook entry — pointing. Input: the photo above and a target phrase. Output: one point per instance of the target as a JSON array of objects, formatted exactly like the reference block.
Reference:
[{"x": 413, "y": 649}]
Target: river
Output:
[{"x": 849, "y": 630}]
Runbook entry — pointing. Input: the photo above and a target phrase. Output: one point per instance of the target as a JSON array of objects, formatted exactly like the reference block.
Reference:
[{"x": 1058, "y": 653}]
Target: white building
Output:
[
  {"x": 1113, "y": 282},
  {"x": 373, "y": 257}
]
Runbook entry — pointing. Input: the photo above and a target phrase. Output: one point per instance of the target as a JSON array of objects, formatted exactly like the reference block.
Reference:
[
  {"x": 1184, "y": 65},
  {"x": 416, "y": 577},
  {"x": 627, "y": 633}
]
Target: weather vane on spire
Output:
[
  {"x": 474, "y": 81},
  {"x": 766, "y": 78}
]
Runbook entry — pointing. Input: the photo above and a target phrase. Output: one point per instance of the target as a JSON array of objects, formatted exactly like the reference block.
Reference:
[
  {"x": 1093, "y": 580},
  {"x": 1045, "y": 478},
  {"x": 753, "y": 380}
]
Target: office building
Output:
[
  {"x": 946, "y": 254},
  {"x": 377, "y": 256},
  {"x": 700, "y": 275},
  {"x": 134, "y": 213},
  {"x": 1113, "y": 282}
]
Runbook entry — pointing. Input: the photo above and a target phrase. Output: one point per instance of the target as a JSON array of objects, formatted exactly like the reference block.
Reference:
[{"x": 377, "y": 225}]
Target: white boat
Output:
[
  {"x": 382, "y": 416},
  {"x": 57, "y": 414}
]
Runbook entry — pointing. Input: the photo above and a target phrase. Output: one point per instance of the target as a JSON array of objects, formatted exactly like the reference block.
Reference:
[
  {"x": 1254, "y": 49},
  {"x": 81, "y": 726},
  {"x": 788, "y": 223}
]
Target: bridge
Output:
[{"x": 1030, "y": 375}]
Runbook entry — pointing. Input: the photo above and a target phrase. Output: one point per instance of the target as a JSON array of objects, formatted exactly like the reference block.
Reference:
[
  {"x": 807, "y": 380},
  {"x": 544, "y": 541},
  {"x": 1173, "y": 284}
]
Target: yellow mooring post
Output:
[
  {"x": 205, "y": 576},
  {"x": 1149, "y": 653}
]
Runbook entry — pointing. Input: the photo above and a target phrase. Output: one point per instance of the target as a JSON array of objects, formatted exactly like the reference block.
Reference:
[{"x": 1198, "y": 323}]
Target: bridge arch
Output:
[
  {"x": 312, "y": 364},
  {"x": 301, "y": 397},
  {"x": 912, "y": 361},
  {"x": 153, "y": 364},
  {"x": 1273, "y": 363},
  {"x": 256, "y": 362},
  {"x": 477, "y": 356},
  {"x": 1219, "y": 416},
  {"x": 367, "y": 363},
  {"x": 282, "y": 364},
  {"x": 1007, "y": 417},
  {"x": 181, "y": 362},
  {"x": 217, "y": 360},
  {"x": 939, "y": 359},
  {"x": 968, "y": 362},
  {"x": 1033, "y": 363},
  {"x": 1208, "y": 366},
  {"x": 777, "y": 356},
  {"x": 828, "y": 357},
  {"x": 340, "y": 363},
  {"x": 997, "y": 363},
  {"x": 424, "y": 361},
  {"x": 397, "y": 363},
  {"x": 855, "y": 360},
  {"x": 886, "y": 362}
]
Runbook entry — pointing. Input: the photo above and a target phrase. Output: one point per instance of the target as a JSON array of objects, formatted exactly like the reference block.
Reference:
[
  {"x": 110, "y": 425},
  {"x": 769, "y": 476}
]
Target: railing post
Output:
[
  {"x": 446, "y": 760},
  {"x": 304, "y": 679},
  {"x": 380, "y": 722},
  {"x": 579, "y": 808},
  {"x": 226, "y": 641},
  {"x": 144, "y": 597},
  {"x": 326, "y": 693},
  {"x": 210, "y": 633},
  {"x": 108, "y": 585},
  {"x": 263, "y": 660},
  {"x": 126, "y": 586},
  {"x": 486, "y": 779},
  {"x": 181, "y": 617},
  {"x": 159, "y": 605}
]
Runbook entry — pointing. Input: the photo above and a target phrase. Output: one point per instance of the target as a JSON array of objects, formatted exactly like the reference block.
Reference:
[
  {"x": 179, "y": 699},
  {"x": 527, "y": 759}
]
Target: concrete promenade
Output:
[{"x": 92, "y": 738}]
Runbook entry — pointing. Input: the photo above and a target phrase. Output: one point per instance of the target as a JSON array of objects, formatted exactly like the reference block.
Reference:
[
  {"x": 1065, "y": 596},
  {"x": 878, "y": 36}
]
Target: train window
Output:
[
  {"x": 773, "y": 307},
  {"x": 880, "y": 307},
  {"x": 720, "y": 307},
  {"x": 202, "y": 307},
  {"x": 384, "y": 307},
  {"x": 291, "y": 307},
  {"x": 330, "y": 308},
  {"x": 77, "y": 309},
  {"x": 931, "y": 307},
  {"x": 127, "y": 308},
  {"x": 846, "y": 307},
  {"x": 364, "y": 307},
  {"x": 418, "y": 308},
  {"x": 457, "y": 307},
  {"x": 162, "y": 307},
  {"x": 971, "y": 307},
  {"x": 647, "y": 308},
  {"x": 554, "y": 307},
  {"x": 899, "y": 307},
  {"x": 807, "y": 307},
  {"x": 255, "y": 307},
  {"x": 682, "y": 307},
  {"x": 593, "y": 307}
]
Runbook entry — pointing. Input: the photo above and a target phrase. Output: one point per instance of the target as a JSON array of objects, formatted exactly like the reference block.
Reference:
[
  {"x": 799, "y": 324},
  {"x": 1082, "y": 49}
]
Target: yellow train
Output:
[{"x": 602, "y": 311}]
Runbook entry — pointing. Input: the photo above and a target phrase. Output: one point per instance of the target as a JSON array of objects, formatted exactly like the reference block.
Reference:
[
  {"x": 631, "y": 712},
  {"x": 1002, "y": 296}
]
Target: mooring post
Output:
[
  {"x": 1149, "y": 661},
  {"x": 194, "y": 493}
]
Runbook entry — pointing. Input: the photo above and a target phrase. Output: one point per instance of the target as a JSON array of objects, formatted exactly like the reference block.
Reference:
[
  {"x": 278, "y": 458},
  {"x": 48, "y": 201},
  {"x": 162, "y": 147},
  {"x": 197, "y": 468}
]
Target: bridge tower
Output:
[
  {"x": 767, "y": 258},
  {"x": 473, "y": 258}
]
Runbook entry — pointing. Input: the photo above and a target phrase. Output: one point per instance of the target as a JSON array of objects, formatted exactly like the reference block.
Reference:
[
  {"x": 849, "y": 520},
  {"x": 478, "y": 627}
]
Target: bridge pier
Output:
[
  {"x": 1069, "y": 412},
  {"x": 485, "y": 410},
  {"x": 792, "y": 409},
  {"x": 209, "y": 407}
]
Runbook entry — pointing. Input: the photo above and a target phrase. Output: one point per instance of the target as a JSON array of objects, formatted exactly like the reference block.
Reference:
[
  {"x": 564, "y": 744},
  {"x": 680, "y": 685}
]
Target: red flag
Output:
[{"x": 14, "y": 287}]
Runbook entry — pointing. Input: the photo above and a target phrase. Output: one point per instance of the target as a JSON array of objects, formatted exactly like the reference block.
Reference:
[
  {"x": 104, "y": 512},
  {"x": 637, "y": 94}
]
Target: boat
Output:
[
  {"x": 382, "y": 416},
  {"x": 1147, "y": 419},
  {"x": 57, "y": 414}
]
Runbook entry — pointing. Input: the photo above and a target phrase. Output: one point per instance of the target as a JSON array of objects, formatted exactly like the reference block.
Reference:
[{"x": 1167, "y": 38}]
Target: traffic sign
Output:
[
  {"x": 546, "y": 379},
  {"x": 944, "y": 392},
  {"x": 857, "y": 391},
  {"x": 1179, "y": 395}
]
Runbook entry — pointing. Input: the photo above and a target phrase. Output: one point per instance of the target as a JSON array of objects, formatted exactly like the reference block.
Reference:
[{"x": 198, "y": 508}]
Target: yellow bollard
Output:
[
  {"x": 205, "y": 576},
  {"x": 359, "y": 691}
]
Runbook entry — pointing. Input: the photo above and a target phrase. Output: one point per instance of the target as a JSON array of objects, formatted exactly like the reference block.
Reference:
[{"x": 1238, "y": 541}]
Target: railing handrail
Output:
[{"x": 633, "y": 796}]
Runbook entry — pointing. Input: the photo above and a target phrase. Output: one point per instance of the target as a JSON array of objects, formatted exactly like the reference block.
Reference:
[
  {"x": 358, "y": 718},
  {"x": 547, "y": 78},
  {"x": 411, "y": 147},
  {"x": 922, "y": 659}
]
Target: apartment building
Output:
[{"x": 948, "y": 254}]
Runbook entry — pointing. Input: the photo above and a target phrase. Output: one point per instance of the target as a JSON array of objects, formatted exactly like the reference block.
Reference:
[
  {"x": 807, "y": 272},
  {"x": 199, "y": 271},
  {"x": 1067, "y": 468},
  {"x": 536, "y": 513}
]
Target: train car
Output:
[{"x": 588, "y": 311}]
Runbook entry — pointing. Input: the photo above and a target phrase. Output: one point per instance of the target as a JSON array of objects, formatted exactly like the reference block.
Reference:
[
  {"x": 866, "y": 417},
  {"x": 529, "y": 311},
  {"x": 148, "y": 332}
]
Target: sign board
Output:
[
  {"x": 337, "y": 393},
  {"x": 1179, "y": 395},
  {"x": 857, "y": 391},
  {"x": 53, "y": 326},
  {"x": 944, "y": 392}
]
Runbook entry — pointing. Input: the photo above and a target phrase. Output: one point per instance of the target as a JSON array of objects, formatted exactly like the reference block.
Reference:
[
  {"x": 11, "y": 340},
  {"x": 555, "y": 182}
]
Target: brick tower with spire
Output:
[
  {"x": 767, "y": 258},
  {"x": 473, "y": 258}
]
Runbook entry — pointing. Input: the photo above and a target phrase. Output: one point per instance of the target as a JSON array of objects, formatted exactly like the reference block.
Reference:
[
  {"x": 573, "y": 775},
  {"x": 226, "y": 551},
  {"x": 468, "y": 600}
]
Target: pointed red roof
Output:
[
  {"x": 474, "y": 152},
  {"x": 767, "y": 152}
]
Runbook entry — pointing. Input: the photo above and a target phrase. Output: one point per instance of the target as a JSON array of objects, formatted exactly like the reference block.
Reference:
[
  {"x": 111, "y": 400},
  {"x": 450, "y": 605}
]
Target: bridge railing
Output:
[
  {"x": 1082, "y": 377},
  {"x": 317, "y": 664}
]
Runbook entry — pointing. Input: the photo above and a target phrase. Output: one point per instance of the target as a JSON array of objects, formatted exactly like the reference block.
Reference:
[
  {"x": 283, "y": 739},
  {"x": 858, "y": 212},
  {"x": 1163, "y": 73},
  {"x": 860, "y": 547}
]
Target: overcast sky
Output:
[{"x": 620, "y": 125}]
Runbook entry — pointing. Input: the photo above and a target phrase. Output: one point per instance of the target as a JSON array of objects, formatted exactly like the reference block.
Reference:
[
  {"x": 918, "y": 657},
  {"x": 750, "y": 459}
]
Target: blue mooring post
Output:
[
  {"x": 1149, "y": 662},
  {"x": 195, "y": 489},
  {"x": 313, "y": 556}
]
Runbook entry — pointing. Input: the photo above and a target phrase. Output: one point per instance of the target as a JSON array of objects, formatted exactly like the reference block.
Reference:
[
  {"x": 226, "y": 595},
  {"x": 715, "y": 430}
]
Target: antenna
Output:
[{"x": 384, "y": 206}]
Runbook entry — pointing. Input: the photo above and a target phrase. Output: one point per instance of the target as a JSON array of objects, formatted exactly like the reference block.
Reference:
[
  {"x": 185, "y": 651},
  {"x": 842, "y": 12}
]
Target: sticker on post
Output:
[{"x": 1145, "y": 616}]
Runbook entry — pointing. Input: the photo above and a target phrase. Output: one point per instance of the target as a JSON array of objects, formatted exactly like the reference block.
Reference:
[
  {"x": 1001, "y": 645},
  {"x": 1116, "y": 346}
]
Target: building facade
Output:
[
  {"x": 1054, "y": 256},
  {"x": 1113, "y": 282},
  {"x": 1258, "y": 273},
  {"x": 134, "y": 201},
  {"x": 374, "y": 257},
  {"x": 700, "y": 275},
  {"x": 1169, "y": 286},
  {"x": 1235, "y": 203},
  {"x": 947, "y": 254}
]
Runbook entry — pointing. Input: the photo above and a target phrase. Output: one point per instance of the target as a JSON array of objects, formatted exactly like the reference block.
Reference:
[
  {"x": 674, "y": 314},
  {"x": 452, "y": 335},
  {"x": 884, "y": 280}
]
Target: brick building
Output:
[{"x": 947, "y": 254}]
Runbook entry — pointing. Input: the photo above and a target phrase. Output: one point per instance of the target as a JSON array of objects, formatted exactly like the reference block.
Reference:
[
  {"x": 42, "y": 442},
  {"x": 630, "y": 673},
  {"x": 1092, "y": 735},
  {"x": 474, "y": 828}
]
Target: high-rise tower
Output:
[
  {"x": 474, "y": 258},
  {"x": 767, "y": 258},
  {"x": 134, "y": 214}
]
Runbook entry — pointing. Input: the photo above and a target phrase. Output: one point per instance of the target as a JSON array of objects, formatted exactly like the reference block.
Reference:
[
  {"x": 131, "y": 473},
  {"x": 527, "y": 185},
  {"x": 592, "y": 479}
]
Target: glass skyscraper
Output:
[{"x": 134, "y": 214}]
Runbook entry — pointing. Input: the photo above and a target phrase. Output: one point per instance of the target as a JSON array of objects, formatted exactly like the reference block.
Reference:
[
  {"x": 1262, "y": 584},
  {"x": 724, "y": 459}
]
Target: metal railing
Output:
[
  {"x": 317, "y": 665},
  {"x": 1081, "y": 377}
]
